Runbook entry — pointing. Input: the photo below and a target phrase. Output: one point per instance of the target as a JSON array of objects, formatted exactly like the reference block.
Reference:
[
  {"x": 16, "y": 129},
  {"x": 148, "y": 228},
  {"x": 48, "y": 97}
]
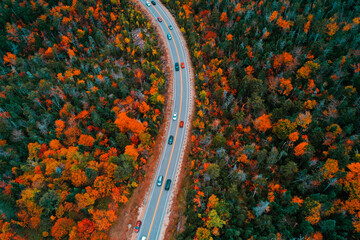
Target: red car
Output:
[
  {"x": 182, "y": 65},
  {"x": 159, "y": 19},
  {"x": 181, "y": 124},
  {"x": 137, "y": 226}
]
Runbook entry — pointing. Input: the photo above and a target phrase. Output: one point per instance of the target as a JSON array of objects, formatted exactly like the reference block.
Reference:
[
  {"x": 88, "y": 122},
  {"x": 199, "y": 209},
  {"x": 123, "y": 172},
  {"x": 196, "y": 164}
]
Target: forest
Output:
[
  {"x": 81, "y": 101},
  {"x": 275, "y": 141}
]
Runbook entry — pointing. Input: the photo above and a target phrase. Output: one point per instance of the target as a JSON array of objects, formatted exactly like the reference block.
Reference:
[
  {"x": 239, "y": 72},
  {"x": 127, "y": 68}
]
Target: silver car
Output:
[{"x": 160, "y": 180}]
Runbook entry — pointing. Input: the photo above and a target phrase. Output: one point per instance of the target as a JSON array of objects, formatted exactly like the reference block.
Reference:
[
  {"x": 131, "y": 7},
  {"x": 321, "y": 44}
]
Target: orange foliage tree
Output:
[
  {"x": 60, "y": 125},
  {"x": 78, "y": 178},
  {"x": 285, "y": 25},
  {"x": 144, "y": 107},
  {"x": 332, "y": 28},
  {"x": 124, "y": 123},
  {"x": 294, "y": 136},
  {"x": 9, "y": 58},
  {"x": 7, "y": 233},
  {"x": 263, "y": 123},
  {"x": 300, "y": 149},
  {"x": 352, "y": 185},
  {"x": 49, "y": 53},
  {"x": 304, "y": 72},
  {"x": 282, "y": 59},
  {"x": 62, "y": 227},
  {"x": 273, "y": 16},
  {"x": 71, "y": 134},
  {"x": 84, "y": 200},
  {"x": 103, "y": 219},
  {"x": 86, "y": 140},
  {"x": 85, "y": 228},
  {"x": 297, "y": 200},
  {"x": 55, "y": 144},
  {"x": 286, "y": 86},
  {"x": 103, "y": 185},
  {"x": 224, "y": 18},
  {"x": 131, "y": 151},
  {"x": 249, "y": 70}
]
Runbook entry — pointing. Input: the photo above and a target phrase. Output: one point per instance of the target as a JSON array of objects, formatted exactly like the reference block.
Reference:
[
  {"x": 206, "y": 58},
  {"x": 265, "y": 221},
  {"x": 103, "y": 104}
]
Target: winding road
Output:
[{"x": 158, "y": 198}]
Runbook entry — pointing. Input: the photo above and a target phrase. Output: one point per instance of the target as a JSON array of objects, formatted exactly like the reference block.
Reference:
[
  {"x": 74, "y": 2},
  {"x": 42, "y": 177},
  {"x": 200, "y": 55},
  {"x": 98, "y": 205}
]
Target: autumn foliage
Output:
[
  {"x": 81, "y": 100},
  {"x": 263, "y": 123},
  {"x": 275, "y": 131}
]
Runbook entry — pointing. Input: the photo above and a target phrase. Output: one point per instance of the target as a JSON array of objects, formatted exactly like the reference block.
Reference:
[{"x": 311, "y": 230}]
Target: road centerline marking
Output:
[{"x": 177, "y": 128}]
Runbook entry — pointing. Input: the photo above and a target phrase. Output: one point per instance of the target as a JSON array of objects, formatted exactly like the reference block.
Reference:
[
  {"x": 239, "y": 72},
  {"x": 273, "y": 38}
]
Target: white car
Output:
[
  {"x": 148, "y": 4},
  {"x": 160, "y": 180},
  {"x": 174, "y": 117}
]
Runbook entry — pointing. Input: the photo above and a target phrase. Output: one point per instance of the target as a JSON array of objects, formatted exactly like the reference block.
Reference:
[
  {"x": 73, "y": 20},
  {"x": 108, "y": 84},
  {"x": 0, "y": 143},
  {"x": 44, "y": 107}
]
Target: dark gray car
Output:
[{"x": 167, "y": 184}]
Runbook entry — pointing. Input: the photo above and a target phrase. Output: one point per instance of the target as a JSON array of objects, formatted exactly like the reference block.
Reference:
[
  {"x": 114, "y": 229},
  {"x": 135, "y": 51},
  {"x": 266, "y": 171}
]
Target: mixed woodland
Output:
[
  {"x": 81, "y": 101},
  {"x": 275, "y": 141}
]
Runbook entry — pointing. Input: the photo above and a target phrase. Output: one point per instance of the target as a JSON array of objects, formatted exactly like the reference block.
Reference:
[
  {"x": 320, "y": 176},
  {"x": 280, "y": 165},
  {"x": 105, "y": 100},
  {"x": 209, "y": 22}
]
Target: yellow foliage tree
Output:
[{"x": 330, "y": 167}]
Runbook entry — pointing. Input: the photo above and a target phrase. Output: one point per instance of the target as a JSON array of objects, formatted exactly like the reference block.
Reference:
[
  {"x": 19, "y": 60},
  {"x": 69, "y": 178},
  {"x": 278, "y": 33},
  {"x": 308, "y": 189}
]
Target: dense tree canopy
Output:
[
  {"x": 275, "y": 136},
  {"x": 81, "y": 97}
]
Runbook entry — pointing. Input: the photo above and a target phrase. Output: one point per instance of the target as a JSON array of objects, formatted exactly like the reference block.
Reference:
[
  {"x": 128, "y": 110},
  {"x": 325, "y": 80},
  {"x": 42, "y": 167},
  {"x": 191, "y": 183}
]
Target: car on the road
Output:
[
  {"x": 177, "y": 66},
  {"x": 153, "y": 3},
  {"x": 174, "y": 116},
  {"x": 171, "y": 140},
  {"x": 167, "y": 184},
  {"x": 160, "y": 180},
  {"x": 171, "y": 27},
  {"x": 137, "y": 226},
  {"x": 181, "y": 124},
  {"x": 182, "y": 65},
  {"x": 169, "y": 36},
  {"x": 159, "y": 19},
  {"x": 143, "y": 238},
  {"x": 148, "y": 4}
]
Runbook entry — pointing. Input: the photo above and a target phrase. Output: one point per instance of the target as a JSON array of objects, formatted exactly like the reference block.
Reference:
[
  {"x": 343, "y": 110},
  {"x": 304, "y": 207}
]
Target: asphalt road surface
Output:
[{"x": 159, "y": 197}]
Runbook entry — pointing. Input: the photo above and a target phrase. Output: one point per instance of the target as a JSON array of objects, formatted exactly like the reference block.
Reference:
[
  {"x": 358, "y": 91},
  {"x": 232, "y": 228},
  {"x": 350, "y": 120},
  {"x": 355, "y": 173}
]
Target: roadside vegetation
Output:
[
  {"x": 275, "y": 138},
  {"x": 81, "y": 101}
]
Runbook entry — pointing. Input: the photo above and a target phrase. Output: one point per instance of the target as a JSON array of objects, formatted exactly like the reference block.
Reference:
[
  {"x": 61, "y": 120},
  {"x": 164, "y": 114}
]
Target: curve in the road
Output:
[
  {"x": 156, "y": 199},
  {"x": 177, "y": 129}
]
